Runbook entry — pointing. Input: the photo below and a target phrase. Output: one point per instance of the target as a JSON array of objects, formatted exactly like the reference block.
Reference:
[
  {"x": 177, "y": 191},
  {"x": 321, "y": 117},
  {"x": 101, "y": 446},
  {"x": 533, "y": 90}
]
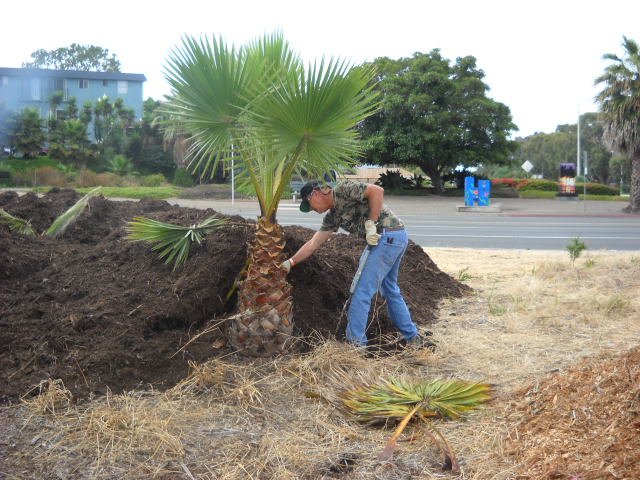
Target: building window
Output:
[
  {"x": 105, "y": 83},
  {"x": 36, "y": 91},
  {"x": 4, "y": 80},
  {"x": 123, "y": 87},
  {"x": 83, "y": 83}
]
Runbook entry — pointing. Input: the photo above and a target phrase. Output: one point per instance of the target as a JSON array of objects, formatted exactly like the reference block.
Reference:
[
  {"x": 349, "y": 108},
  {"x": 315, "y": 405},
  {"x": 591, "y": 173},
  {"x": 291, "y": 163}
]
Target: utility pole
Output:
[
  {"x": 584, "y": 183},
  {"x": 578, "y": 147}
]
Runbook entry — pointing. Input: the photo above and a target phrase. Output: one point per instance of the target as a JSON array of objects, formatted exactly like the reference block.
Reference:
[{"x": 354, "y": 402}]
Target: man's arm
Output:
[
  {"x": 307, "y": 249},
  {"x": 375, "y": 196}
]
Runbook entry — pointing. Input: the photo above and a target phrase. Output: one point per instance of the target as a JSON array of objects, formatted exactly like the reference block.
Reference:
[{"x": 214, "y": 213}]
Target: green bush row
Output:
[
  {"x": 541, "y": 185},
  {"x": 45, "y": 171}
]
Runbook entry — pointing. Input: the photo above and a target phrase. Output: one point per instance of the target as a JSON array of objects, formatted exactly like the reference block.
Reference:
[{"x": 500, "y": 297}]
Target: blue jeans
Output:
[{"x": 380, "y": 273}]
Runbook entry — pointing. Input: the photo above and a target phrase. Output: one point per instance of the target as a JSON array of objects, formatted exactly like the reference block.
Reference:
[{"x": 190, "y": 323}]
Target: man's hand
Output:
[
  {"x": 286, "y": 265},
  {"x": 371, "y": 231}
]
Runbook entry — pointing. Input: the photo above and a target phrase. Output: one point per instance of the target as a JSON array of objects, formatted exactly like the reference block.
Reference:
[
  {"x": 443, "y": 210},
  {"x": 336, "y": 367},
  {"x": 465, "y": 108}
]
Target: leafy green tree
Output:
[
  {"x": 86, "y": 58},
  {"x": 27, "y": 132},
  {"x": 546, "y": 151},
  {"x": 68, "y": 135},
  {"x": 145, "y": 146},
  {"x": 620, "y": 170},
  {"x": 436, "y": 115},
  {"x": 111, "y": 122},
  {"x": 259, "y": 105},
  {"x": 620, "y": 106}
]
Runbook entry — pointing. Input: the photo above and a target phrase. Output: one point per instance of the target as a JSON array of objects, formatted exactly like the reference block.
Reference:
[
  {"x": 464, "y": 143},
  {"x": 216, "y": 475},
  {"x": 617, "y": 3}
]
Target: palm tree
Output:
[
  {"x": 258, "y": 105},
  {"x": 620, "y": 105}
]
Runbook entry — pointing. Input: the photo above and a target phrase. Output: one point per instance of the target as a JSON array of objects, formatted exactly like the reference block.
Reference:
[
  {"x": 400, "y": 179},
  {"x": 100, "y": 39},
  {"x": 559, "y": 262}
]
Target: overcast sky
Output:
[{"x": 540, "y": 57}]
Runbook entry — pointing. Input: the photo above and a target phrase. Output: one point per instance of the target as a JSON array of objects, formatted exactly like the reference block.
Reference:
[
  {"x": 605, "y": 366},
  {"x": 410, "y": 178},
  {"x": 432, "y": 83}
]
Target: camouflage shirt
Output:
[{"x": 351, "y": 210}]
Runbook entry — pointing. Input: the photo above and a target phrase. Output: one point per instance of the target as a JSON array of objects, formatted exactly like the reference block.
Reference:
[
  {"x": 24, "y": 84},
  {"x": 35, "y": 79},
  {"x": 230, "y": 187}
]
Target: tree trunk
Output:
[
  {"x": 634, "y": 192},
  {"x": 264, "y": 323},
  {"x": 436, "y": 180}
]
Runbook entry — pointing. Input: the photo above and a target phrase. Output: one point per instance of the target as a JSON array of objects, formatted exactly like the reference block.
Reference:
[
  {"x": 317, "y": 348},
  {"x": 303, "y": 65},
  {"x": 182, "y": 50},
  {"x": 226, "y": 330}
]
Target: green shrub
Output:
[
  {"x": 393, "y": 180},
  {"x": 154, "y": 180},
  {"x": 597, "y": 189},
  {"x": 538, "y": 184},
  {"x": 120, "y": 165},
  {"x": 182, "y": 178},
  {"x": 505, "y": 182},
  {"x": 575, "y": 248},
  {"x": 503, "y": 191}
]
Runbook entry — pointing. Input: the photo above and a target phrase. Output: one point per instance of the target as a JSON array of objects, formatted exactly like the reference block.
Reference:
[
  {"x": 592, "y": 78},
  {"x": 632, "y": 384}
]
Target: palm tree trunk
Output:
[
  {"x": 264, "y": 323},
  {"x": 634, "y": 193}
]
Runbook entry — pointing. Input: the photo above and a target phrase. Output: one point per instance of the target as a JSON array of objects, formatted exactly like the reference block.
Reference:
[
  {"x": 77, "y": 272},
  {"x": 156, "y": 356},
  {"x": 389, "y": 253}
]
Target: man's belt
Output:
[{"x": 381, "y": 229}]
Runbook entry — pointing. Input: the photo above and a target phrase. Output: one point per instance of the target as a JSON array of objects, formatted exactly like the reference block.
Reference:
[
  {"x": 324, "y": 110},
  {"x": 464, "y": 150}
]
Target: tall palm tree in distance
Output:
[
  {"x": 620, "y": 106},
  {"x": 259, "y": 105}
]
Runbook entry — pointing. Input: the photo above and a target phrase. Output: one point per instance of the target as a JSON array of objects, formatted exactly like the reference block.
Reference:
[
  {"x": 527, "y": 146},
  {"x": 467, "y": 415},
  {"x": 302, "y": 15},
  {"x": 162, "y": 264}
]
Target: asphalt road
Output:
[{"x": 521, "y": 224}]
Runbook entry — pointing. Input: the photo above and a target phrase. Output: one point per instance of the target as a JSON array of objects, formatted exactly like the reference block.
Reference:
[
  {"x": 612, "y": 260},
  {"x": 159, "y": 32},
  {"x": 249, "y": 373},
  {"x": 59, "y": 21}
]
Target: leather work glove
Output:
[
  {"x": 371, "y": 231},
  {"x": 286, "y": 265}
]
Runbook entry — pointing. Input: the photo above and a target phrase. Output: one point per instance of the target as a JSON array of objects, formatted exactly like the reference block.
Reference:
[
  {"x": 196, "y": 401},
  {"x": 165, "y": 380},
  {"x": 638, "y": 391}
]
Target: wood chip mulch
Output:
[{"x": 581, "y": 424}]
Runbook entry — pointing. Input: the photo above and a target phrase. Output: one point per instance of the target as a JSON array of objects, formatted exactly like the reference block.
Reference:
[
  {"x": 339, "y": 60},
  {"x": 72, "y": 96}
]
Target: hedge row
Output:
[{"x": 552, "y": 186}]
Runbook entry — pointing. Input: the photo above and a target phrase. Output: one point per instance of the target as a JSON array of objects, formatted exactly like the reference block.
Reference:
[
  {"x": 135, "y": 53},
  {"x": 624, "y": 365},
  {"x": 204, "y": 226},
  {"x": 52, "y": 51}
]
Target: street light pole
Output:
[
  {"x": 578, "y": 147},
  {"x": 584, "y": 181}
]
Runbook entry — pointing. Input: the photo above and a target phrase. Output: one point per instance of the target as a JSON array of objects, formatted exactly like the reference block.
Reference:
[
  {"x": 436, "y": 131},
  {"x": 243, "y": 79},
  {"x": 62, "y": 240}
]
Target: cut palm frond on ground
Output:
[
  {"x": 61, "y": 223},
  {"x": 402, "y": 399},
  {"x": 173, "y": 241},
  {"x": 16, "y": 224}
]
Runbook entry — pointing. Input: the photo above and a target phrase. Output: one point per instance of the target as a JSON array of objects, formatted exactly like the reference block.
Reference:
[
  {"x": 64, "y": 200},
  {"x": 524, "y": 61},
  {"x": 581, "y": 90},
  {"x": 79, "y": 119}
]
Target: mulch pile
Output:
[
  {"x": 583, "y": 424},
  {"x": 101, "y": 312}
]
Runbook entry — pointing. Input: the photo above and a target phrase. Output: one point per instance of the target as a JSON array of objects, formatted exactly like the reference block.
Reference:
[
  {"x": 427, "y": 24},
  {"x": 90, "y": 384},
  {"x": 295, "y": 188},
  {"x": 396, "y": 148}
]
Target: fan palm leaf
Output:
[
  {"x": 401, "y": 399},
  {"x": 172, "y": 241},
  {"x": 257, "y": 104},
  {"x": 16, "y": 224},
  {"x": 61, "y": 223}
]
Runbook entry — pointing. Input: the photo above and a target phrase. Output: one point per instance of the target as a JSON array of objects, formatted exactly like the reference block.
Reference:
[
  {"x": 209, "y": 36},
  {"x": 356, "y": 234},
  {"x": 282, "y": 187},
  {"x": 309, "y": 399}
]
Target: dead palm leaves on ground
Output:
[
  {"x": 61, "y": 223},
  {"x": 58, "y": 226},
  {"x": 16, "y": 224},
  {"x": 173, "y": 241},
  {"x": 401, "y": 399}
]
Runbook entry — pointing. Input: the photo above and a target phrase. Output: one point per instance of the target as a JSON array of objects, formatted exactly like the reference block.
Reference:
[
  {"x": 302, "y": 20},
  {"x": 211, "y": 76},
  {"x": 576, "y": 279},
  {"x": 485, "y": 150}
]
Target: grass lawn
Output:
[
  {"x": 545, "y": 194},
  {"x": 160, "y": 193},
  {"x": 21, "y": 164},
  {"x": 137, "y": 192}
]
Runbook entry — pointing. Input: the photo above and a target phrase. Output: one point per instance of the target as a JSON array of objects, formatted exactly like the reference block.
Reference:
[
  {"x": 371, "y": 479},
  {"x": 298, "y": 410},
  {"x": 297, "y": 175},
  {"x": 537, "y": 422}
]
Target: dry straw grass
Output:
[{"x": 531, "y": 314}]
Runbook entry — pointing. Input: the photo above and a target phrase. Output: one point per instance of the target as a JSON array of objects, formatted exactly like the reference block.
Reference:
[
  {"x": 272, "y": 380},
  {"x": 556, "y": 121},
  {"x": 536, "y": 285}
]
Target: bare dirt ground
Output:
[{"x": 559, "y": 342}]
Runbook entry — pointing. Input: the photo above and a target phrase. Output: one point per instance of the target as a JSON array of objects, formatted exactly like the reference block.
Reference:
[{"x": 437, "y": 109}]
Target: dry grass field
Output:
[{"x": 531, "y": 317}]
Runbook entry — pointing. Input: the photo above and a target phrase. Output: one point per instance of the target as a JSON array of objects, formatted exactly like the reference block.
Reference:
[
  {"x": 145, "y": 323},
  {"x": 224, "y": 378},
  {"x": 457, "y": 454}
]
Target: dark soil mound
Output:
[{"x": 99, "y": 311}]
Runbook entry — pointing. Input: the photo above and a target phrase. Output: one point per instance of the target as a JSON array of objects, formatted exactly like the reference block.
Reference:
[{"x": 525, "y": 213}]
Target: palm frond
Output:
[
  {"x": 259, "y": 106},
  {"x": 61, "y": 223},
  {"x": 16, "y": 224},
  {"x": 172, "y": 241},
  {"x": 396, "y": 397},
  {"x": 401, "y": 399}
]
